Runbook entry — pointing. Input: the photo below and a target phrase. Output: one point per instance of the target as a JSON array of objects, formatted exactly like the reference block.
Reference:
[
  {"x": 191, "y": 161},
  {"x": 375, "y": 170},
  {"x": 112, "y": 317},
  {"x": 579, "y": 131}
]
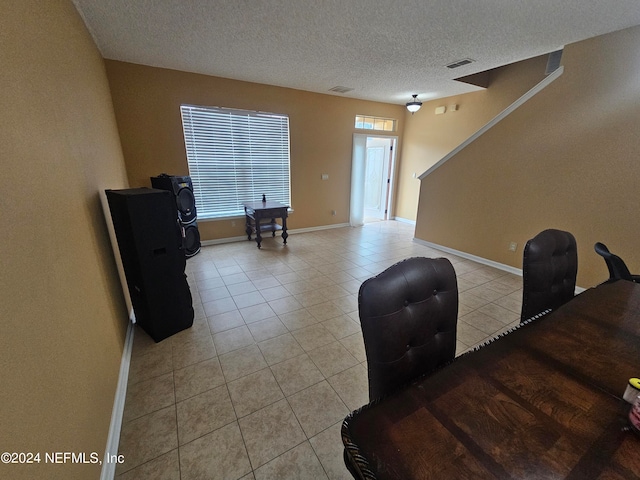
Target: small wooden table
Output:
[
  {"x": 543, "y": 401},
  {"x": 256, "y": 212}
]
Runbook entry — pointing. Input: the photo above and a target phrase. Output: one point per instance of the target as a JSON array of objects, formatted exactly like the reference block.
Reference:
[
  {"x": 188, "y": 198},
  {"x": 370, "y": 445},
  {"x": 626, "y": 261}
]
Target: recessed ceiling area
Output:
[{"x": 385, "y": 51}]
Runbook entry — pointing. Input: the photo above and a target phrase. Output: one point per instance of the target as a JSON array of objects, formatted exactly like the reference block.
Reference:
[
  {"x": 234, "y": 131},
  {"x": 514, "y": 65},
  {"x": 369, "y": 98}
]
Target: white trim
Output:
[
  {"x": 481, "y": 260},
  {"x": 469, "y": 256},
  {"x": 405, "y": 220},
  {"x": 527, "y": 96},
  {"x": 243, "y": 238},
  {"x": 113, "y": 439}
]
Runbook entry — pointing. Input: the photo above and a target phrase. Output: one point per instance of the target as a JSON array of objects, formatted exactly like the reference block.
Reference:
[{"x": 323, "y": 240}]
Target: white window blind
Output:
[{"x": 235, "y": 156}]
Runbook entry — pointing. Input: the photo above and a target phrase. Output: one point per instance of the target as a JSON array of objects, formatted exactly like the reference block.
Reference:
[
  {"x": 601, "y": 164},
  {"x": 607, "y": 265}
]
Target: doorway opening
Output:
[{"x": 372, "y": 178}]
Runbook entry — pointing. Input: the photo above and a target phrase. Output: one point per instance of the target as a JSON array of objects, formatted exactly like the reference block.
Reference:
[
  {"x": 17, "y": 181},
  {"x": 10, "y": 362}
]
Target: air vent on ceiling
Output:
[
  {"x": 340, "y": 89},
  {"x": 460, "y": 63}
]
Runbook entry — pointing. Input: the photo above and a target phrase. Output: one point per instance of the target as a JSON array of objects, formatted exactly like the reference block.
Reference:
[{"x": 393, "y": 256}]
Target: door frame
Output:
[{"x": 356, "y": 207}]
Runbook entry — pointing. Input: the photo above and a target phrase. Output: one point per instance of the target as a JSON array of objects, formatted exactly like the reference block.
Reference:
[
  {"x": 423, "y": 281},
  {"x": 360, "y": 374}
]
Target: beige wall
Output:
[
  {"x": 429, "y": 137},
  {"x": 147, "y": 104},
  {"x": 567, "y": 159},
  {"x": 62, "y": 312}
]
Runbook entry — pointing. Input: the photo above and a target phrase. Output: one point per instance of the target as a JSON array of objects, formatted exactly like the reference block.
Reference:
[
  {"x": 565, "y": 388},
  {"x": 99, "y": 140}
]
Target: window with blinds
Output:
[{"x": 235, "y": 156}]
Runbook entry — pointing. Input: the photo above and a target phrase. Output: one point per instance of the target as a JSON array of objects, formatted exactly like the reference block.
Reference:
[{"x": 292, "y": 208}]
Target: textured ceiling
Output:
[{"x": 385, "y": 50}]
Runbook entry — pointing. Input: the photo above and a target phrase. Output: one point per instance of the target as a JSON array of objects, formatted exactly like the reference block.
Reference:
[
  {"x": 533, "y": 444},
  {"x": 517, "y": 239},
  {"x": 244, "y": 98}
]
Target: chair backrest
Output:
[
  {"x": 549, "y": 270},
  {"x": 617, "y": 268},
  {"x": 409, "y": 315}
]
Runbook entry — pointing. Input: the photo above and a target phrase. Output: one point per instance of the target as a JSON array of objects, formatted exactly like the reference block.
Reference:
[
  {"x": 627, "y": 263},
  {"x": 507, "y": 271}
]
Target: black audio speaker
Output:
[
  {"x": 191, "y": 239},
  {"x": 150, "y": 242},
  {"x": 185, "y": 202},
  {"x": 182, "y": 189}
]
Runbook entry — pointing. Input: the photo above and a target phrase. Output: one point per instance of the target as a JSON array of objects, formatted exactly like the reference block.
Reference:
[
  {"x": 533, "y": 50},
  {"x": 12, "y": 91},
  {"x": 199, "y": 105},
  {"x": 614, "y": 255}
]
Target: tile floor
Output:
[{"x": 259, "y": 386}]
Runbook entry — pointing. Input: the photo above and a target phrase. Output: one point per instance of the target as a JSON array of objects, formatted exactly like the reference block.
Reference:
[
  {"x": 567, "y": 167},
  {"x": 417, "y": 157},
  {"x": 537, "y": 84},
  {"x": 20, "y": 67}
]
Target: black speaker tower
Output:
[
  {"x": 185, "y": 204},
  {"x": 150, "y": 242}
]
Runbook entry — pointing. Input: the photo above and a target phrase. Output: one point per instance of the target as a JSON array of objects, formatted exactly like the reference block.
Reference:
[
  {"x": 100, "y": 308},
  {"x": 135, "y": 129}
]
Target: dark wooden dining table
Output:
[{"x": 543, "y": 401}]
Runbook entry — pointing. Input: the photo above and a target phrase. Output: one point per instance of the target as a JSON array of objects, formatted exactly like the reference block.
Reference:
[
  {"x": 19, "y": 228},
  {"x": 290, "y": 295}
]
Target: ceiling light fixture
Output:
[{"x": 414, "y": 105}]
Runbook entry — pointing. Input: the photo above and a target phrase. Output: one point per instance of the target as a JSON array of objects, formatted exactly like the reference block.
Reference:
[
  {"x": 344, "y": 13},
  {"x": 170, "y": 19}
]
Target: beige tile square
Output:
[
  {"x": 270, "y": 432},
  {"x": 274, "y": 293},
  {"x": 325, "y": 311},
  {"x": 482, "y": 322},
  {"x": 233, "y": 339},
  {"x": 328, "y": 448},
  {"x": 341, "y": 326},
  {"x": 150, "y": 365},
  {"x": 230, "y": 270},
  {"x": 313, "y": 337},
  {"x": 279, "y": 349},
  {"x": 204, "y": 413},
  {"x": 299, "y": 463},
  {"x": 147, "y": 437},
  {"x": 285, "y": 305},
  {"x": 266, "y": 329},
  {"x": 352, "y": 386},
  {"x": 471, "y": 300},
  {"x": 165, "y": 467},
  {"x": 257, "y": 313},
  {"x": 219, "y": 455},
  {"x": 248, "y": 299},
  {"x": 197, "y": 378},
  {"x": 217, "y": 307},
  {"x": 485, "y": 293},
  {"x": 347, "y": 304},
  {"x": 296, "y": 374},
  {"x": 254, "y": 391},
  {"x": 266, "y": 282},
  {"x": 317, "y": 407},
  {"x": 241, "y": 288},
  {"x": 242, "y": 362},
  {"x": 468, "y": 334},
  {"x": 194, "y": 351},
  {"x": 298, "y": 319},
  {"x": 148, "y": 396},
  {"x": 512, "y": 302},
  {"x": 214, "y": 294},
  {"x": 225, "y": 321},
  {"x": 355, "y": 345},
  {"x": 332, "y": 358},
  {"x": 310, "y": 298},
  {"x": 503, "y": 315}
]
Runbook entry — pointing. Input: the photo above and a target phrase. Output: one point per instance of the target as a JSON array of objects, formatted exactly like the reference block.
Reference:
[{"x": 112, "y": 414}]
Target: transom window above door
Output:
[{"x": 364, "y": 122}]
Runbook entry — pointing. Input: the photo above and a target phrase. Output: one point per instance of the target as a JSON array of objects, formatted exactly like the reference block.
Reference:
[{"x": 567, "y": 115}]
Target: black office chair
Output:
[
  {"x": 549, "y": 270},
  {"x": 617, "y": 268},
  {"x": 409, "y": 316}
]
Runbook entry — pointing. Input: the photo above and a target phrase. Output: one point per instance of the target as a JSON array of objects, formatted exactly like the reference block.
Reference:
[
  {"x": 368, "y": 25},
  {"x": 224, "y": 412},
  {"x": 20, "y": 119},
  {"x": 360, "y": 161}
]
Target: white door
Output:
[
  {"x": 377, "y": 178},
  {"x": 378, "y": 190}
]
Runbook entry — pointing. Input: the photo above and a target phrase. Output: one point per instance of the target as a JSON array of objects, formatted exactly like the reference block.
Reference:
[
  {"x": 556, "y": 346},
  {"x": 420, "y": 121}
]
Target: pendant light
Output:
[{"x": 414, "y": 105}]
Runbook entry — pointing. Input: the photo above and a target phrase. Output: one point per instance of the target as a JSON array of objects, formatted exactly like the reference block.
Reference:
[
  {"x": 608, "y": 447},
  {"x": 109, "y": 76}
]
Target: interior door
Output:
[{"x": 377, "y": 161}]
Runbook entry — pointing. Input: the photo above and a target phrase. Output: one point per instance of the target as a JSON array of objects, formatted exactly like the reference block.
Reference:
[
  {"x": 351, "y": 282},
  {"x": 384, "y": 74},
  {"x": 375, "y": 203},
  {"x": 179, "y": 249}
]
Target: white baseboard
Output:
[
  {"x": 243, "y": 238},
  {"x": 469, "y": 256},
  {"x": 113, "y": 439},
  {"x": 405, "y": 220},
  {"x": 482, "y": 260}
]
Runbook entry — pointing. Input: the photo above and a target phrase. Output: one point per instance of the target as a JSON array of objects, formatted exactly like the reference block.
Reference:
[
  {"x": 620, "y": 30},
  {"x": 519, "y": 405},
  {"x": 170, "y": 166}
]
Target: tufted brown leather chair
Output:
[
  {"x": 549, "y": 269},
  {"x": 409, "y": 316}
]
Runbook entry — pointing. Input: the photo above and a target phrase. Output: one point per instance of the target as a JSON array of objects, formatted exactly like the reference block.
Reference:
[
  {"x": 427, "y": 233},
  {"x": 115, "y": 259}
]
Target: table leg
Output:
[
  {"x": 258, "y": 236},
  {"x": 284, "y": 229},
  {"x": 248, "y": 227}
]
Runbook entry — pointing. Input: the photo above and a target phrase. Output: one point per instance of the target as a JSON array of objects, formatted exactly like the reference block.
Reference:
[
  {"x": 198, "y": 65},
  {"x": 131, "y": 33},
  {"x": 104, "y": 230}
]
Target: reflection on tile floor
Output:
[{"x": 259, "y": 386}]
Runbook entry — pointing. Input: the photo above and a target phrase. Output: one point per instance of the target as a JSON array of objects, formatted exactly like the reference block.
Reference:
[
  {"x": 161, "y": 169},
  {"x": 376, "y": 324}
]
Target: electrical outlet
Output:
[
  {"x": 333, "y": 212},
  {"x": 233, "y": 223},
  {"x": 513, "y": 246}
]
